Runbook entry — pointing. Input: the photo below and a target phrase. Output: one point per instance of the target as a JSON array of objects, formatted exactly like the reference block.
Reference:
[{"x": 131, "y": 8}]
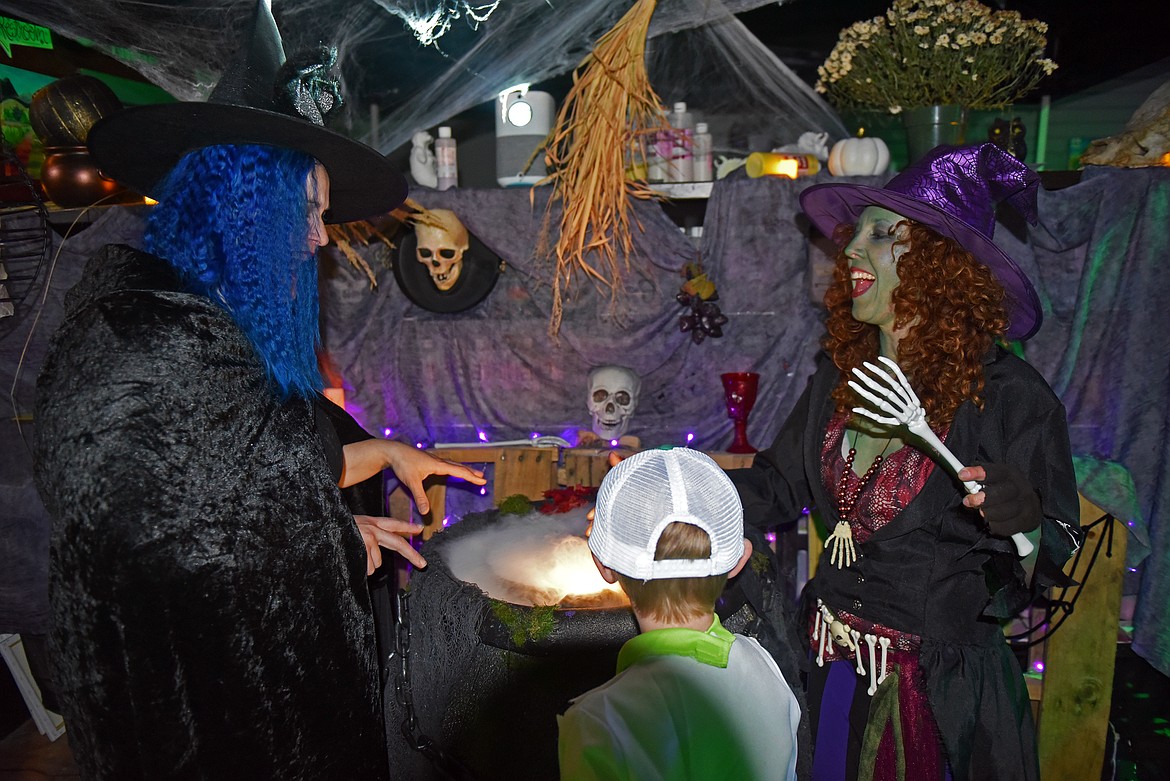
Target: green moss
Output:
[
  {"x": 525, "y": 624},
  {"x": 516, "y": 504},
  {"x": 759, "y": 562}
]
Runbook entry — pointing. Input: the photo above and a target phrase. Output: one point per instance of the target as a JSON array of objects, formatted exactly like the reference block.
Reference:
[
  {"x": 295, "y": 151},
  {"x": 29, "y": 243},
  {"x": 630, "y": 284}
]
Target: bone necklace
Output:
[{"x": 843, "y": 552}]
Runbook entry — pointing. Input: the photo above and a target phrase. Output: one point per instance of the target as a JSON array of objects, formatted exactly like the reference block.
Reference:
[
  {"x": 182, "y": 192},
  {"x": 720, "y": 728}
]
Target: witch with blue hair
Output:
[{"x": 210, "y": 612}]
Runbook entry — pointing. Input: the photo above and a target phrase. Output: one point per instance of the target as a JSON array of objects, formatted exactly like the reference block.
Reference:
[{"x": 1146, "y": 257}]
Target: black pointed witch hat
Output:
[{"x": 259, "y": 99}]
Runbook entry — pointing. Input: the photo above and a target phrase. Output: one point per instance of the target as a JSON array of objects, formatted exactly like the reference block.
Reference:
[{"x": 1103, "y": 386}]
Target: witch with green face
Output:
[{"x": 910, "y": 676}]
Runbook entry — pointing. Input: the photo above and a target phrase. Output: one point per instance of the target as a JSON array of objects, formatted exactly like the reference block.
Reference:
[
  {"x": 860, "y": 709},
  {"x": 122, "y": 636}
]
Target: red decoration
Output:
[{"x": 561, "y": 500}]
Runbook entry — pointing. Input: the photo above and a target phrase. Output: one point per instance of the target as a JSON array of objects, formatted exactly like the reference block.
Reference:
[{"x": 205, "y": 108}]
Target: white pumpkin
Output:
[{"x": 859, "y": 157}]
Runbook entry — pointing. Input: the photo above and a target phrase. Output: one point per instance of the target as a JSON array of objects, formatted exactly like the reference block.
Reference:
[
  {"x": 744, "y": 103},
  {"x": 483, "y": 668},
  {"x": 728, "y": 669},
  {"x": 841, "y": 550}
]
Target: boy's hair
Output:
[{"x": 677, "y": 600}]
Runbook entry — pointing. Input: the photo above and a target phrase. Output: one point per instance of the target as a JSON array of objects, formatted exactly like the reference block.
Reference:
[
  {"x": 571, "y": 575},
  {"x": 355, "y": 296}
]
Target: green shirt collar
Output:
[{"x": 711, "y": 647}]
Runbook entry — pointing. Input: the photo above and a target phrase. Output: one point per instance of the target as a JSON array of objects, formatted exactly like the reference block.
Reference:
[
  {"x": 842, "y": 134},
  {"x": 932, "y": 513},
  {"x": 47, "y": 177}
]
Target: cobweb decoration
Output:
[
  {"x": 530, "y": 41},
  {"x": 749, "y": 98},
  {"x": 183, "y": 47},
  {"x": 431, "y": 21}
]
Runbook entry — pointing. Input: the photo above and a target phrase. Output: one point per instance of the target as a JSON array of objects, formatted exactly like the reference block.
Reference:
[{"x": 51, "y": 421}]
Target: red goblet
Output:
[{"x": 739, "y": 390}]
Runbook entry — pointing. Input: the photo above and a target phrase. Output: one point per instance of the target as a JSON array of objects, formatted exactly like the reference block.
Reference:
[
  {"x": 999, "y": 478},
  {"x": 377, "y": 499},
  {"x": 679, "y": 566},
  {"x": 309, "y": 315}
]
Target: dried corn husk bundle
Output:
[
  {"x": 611, "y": 108},
  {"x": 421, "y": 215},
  {"x": 345, "y": 235}
]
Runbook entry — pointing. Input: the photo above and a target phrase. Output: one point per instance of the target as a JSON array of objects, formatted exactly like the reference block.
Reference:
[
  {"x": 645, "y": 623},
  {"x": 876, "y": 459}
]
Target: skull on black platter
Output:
[
  {"x": 440, "y": 247},
  {"x": 613, "y": 395}
]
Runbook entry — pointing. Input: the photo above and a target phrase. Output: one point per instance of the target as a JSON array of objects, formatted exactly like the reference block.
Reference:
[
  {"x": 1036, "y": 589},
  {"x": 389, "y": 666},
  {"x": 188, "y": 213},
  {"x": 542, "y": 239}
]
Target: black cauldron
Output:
[{"x": 474, "y": 685}]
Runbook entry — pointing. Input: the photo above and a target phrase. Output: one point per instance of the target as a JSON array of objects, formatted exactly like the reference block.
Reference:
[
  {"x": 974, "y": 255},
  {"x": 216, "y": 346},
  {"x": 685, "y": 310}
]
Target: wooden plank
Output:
[
  {"x": 49, "y": 723},
  {"x": 587, "y": 466},
  {"x": 584, "y": 466},
  {"x": 400, "y": 505},
  {"x": 471, "y": 455},
  {"x": 525, "y": 470},
  {"x": 732, "y": 460},
  {"x": 533, "y": 470},
  {"x": 436, "y": 488},
  {"x": 1079, "y": 659}
]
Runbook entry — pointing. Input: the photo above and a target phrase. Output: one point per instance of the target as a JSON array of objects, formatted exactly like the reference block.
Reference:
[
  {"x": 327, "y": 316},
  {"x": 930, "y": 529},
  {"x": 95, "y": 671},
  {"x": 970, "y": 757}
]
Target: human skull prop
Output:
[
  {"x": 613, "y": 395},
  {"x": 441, "y": 246}
]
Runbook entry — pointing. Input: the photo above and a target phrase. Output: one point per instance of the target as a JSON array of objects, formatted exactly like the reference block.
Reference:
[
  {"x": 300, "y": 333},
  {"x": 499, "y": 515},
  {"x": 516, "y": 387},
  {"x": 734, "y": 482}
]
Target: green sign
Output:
[{"x": 17, "y": 33}]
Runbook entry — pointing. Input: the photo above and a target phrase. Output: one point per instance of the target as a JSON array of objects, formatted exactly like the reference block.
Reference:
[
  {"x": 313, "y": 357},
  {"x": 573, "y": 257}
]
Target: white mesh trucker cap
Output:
[{"x": 649, "y": 490}]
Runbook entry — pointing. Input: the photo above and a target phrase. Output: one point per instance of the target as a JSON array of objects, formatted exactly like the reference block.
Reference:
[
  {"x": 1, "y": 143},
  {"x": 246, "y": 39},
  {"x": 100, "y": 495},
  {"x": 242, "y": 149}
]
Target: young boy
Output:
[{"x": 690, "y": 700}]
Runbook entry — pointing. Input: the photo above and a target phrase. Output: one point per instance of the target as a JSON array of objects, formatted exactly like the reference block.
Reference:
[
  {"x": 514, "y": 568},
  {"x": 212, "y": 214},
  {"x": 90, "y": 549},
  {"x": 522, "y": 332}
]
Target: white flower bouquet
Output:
[{"x": 931, "y": 52}]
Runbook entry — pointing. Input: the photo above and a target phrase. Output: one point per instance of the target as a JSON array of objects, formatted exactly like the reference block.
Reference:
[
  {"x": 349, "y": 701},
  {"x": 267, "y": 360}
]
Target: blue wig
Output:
[{"x": 233, "y": 221}]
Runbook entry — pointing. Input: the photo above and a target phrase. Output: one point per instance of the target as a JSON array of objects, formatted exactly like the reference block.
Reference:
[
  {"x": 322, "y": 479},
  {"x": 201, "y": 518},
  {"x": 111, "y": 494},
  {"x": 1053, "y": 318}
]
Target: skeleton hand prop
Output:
[
  {"x": 843, "y": 552},
  {"x": 895, "y": 397}
]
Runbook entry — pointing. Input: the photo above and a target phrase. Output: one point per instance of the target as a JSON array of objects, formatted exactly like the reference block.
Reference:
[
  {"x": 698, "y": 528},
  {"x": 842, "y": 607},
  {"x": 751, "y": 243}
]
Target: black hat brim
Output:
[{"x": 139, "y": 146}]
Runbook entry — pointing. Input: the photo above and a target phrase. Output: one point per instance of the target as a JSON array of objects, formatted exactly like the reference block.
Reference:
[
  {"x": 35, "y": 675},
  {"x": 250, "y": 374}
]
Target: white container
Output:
[
  {"x": 656, "y": 161},
  {"x": 658, "y": 148},
  {"x": 523, "y": 119},
  {"x": 679, "y": 167},
  {"x": 446, "y": 162},
  {"x": 704, "y": 168}
]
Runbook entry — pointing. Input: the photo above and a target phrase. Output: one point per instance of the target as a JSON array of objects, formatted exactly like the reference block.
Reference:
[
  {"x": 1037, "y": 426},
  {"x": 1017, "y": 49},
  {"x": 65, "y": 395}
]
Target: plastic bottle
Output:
[
  {"x": 656, "y": 158},
  {"x": 658, "y": 148},
  {"x": 680, "y": 166},
  {"x": 704, "y": 170},
  {"x": 446, "y": 162}
]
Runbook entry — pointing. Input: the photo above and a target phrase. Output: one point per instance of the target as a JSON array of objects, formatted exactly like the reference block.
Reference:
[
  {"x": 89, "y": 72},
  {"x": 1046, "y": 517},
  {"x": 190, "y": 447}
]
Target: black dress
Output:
[
  {"x": 933, "y": 571},
  {"x": 210, "y": 612}
]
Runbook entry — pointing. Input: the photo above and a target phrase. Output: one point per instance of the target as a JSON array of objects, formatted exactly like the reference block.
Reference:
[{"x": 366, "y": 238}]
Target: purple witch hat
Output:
[{"x": 953, "y": 190}]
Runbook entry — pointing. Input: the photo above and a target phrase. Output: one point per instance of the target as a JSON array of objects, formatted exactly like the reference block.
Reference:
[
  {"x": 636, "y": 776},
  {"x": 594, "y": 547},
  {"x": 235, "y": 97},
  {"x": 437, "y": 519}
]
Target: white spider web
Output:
[{"x": 424, "y": 61}]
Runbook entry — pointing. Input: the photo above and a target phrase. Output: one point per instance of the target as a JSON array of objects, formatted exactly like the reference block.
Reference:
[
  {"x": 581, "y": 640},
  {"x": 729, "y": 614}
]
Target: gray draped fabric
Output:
[
  {"x": 24, "y": 523},
  {"x": 1100, "y": 254},
  {"x": 442, "y": 377}
]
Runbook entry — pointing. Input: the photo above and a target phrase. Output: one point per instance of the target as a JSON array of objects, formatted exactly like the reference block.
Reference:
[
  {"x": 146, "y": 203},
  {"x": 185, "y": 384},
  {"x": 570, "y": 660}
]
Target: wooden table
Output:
[{"x": 529, "y": 471}]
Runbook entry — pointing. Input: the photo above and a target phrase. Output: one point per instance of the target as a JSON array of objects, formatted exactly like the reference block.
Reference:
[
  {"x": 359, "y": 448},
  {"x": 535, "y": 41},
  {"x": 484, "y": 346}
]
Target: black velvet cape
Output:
[
  {"x": 210, "y": 615},
  {"x": 933, "y": 570}
]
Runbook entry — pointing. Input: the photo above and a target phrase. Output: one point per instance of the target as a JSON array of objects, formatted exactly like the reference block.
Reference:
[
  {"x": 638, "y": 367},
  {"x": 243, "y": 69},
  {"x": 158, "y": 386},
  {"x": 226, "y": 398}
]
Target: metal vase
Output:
[{"x": 929, "y": 126}]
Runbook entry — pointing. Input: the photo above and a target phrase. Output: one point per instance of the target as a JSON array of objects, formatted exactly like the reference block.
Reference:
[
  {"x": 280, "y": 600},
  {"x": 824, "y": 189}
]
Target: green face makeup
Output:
[{"x": 873, "y": 266}]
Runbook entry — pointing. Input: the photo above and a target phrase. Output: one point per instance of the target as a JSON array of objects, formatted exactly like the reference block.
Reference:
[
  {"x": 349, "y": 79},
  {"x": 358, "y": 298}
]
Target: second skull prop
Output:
[
  {"x": 613, "y": 395},
  {"x": 442, "y": 240}
]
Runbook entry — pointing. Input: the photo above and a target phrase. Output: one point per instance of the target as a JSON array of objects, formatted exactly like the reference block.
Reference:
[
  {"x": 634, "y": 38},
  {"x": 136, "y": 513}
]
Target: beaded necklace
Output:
[{"x": 845, "y": 503}]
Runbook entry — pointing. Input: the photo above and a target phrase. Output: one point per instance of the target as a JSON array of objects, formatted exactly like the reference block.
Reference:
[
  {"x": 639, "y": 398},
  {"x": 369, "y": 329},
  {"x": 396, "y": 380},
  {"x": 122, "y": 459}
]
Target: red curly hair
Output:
[{"x": 953, "y": 306}]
